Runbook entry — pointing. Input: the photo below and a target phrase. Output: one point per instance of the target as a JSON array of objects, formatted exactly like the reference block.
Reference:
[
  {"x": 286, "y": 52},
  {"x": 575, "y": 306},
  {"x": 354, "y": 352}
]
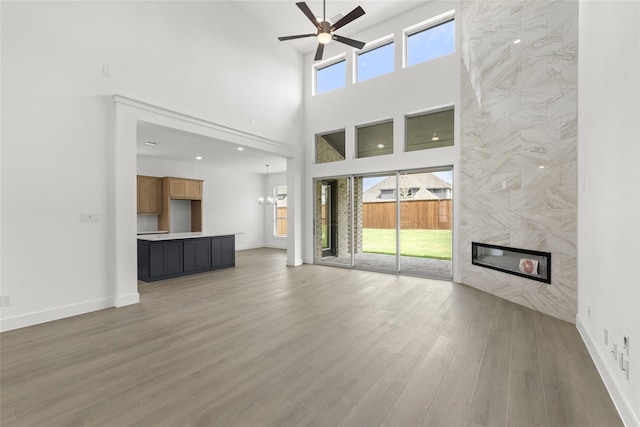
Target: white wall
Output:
[
  {"x": 392, "y": 96},
  {"x": 229, "y": 199},
  {"x": 609, "y": 195},
  {"x": 61, "y": 62}
]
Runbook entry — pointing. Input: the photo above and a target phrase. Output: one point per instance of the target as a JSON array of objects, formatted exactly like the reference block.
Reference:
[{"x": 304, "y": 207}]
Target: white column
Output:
[
  {"x": 122, "y": 208},
  {"x": 294, "y": 210}
]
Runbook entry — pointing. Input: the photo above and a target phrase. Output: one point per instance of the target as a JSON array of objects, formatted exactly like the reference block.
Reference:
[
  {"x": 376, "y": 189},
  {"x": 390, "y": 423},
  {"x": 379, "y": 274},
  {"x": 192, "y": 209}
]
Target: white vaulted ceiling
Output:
[
  {"x": 284, "y": 18},
  {"x": 280, "y": 18}
]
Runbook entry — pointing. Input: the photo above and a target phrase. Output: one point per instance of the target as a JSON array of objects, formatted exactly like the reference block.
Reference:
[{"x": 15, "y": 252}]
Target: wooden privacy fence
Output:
[
  {"x": 414, "y": 214},
  {"x": 281, "y": 222}
]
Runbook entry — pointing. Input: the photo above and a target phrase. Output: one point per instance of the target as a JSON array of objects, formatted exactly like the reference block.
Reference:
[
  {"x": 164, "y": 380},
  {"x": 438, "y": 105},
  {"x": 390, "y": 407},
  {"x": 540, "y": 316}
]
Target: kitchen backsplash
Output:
[
  {"x": 180, "y": 216},
  {"x": 147, "y": 222}
]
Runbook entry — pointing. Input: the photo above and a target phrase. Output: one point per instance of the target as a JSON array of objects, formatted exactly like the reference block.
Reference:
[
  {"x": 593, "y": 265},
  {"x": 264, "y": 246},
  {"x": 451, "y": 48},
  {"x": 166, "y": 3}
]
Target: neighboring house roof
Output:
[
  {"x": 420, "y": 186},
  {"x": 282, "y": 196}
]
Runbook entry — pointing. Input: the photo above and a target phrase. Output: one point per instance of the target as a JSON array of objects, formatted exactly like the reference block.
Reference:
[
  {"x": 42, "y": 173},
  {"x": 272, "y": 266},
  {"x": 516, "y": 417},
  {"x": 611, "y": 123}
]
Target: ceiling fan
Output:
[{"x": 325, "y": 29}]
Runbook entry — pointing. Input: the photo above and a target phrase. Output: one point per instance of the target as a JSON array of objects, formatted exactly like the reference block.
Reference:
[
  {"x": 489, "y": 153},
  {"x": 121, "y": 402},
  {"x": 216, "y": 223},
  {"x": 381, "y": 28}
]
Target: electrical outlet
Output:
[
  {"x": 624, "y": 364},
  {"x": 626, "y": 368},
  {"x": 5, "y": 300},
  {"x": 625, "y": 344},
  {"x": 614, "y": 351}
]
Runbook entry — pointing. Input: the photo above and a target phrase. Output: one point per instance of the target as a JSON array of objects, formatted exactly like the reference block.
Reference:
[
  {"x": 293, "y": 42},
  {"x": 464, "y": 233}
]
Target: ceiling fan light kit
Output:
[
  {"x": 324, "y": 36},
  {"x": 325, "y": 29}
]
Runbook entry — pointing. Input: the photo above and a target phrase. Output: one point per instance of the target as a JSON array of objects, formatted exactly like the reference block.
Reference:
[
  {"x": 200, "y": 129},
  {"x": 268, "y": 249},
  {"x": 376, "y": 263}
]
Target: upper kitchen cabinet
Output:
[
  {"x": 181, "y": 189},
  {"x": 149, "y": 195},
  {"x": 187, "y": 189}
]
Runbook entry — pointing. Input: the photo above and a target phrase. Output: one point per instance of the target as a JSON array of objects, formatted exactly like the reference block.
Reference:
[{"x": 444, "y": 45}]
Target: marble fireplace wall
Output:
[{"x": 518, "y": 178}]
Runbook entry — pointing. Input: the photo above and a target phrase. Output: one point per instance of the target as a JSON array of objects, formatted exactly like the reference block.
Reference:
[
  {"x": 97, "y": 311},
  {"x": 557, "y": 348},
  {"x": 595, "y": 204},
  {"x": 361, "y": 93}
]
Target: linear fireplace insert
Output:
[{"x": 534, "y": 265}]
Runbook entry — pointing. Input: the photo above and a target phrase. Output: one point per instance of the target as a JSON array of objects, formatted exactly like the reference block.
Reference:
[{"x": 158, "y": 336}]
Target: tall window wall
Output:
[
  {"x": 388, "y": 133},
  {"x": 425, "y": 41}
]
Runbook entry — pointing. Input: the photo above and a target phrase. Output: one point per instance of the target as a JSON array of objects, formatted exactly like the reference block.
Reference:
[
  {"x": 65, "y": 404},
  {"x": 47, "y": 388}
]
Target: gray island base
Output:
[{"x": 164, "y": 256}]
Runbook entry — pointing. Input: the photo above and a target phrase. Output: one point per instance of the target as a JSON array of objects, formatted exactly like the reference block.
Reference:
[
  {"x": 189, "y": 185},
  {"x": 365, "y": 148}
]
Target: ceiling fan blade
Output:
[
  {"x": 354, "y": 14},
  {"x": 319, "y": 52},
  {"x": 299, "y": 36},
  {"x": 305, "y": 9},
  {"x": 350, "y": 42}
]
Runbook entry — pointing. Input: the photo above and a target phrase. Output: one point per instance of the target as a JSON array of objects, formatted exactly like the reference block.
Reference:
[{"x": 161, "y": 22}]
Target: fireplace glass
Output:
[{"x": 534, "y": 265}]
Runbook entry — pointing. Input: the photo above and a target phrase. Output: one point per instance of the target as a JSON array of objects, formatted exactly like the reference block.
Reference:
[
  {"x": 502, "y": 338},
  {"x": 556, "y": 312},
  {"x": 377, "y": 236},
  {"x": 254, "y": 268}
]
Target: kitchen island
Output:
[{"x": 165, "y": 256}]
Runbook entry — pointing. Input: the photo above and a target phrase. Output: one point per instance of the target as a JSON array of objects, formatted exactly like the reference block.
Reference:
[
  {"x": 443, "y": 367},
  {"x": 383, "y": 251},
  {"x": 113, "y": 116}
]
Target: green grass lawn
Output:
[
  {"x": 325, "y": 241},
  {"x": 415, "y": 243}
]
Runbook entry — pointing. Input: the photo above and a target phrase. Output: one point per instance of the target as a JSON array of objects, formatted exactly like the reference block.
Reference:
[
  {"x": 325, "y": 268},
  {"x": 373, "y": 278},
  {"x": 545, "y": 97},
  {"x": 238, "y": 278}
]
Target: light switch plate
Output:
[{"x": 90, "y": 217}]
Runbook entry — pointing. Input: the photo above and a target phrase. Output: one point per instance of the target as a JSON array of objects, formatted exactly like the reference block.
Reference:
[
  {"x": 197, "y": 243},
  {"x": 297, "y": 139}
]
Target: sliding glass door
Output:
[
  {"x": 425, "y": 241},
  {"x": 394, "y": 222},
  {"x": 375, "y": 209},
  {"x": 333, "y": 221}
]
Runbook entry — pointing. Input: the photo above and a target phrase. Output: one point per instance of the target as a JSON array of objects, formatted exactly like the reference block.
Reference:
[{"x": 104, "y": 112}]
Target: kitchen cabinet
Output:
[
  {"x": 197, "y": 254},
  {"x": 149, "y": 195},
  {"x": 166, "y": 257},
  {"x": 163, "y": 259},
  {"x": 223, "y": 251},
  {"x": 181, "y": 188}
]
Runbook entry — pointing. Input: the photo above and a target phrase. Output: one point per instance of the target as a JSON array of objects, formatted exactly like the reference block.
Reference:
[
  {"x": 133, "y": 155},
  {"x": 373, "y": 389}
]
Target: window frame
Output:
[
  {"x": 371, "y": 46},
  {"x": 326, "y": 64},
  {"x": 441, "y": 109},
  {"x": 323, "y": 134},
  {"x": 369, "y": 124},
  {"x": 442, "y": 18}
]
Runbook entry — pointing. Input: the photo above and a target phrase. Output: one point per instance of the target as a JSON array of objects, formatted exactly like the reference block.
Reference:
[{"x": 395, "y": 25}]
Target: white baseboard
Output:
[
  {"x": 30, "y": 319},
  {"x": 276, "y": 245},
  {"x": 629, "y": 418},
  {"x": 294, "y": 263},
  {"x": 127, "y": 300},
  {"x": 260, "y": 246},
  {"x": 249, "y": 246}
]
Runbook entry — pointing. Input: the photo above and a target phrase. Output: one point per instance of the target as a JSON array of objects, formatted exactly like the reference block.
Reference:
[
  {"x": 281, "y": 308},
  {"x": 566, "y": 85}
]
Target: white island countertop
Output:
[
  {"x": 188, "y": 235},
  {"x": 152, "y": 232}
]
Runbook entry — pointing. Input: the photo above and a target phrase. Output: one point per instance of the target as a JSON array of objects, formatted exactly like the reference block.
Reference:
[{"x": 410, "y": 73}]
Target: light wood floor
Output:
[{"x": 268, "y": 345}]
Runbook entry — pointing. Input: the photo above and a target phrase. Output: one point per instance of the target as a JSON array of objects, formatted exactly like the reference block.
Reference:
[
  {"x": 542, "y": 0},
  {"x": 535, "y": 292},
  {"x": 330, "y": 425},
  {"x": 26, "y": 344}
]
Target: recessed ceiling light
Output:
[
  {"x": 198, "y": 157},
  {"x": 150, "y": 143},
  {"x": 380, "y": 145},
  {"x": 240, "y": 149},
  {"x": 541, "y": 167},
  {"x": 516, "y": 41}
]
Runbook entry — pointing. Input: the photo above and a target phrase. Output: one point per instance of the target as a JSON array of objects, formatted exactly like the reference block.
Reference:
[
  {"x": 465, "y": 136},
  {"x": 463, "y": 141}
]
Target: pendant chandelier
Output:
[{"x": 266, "y": 200}]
